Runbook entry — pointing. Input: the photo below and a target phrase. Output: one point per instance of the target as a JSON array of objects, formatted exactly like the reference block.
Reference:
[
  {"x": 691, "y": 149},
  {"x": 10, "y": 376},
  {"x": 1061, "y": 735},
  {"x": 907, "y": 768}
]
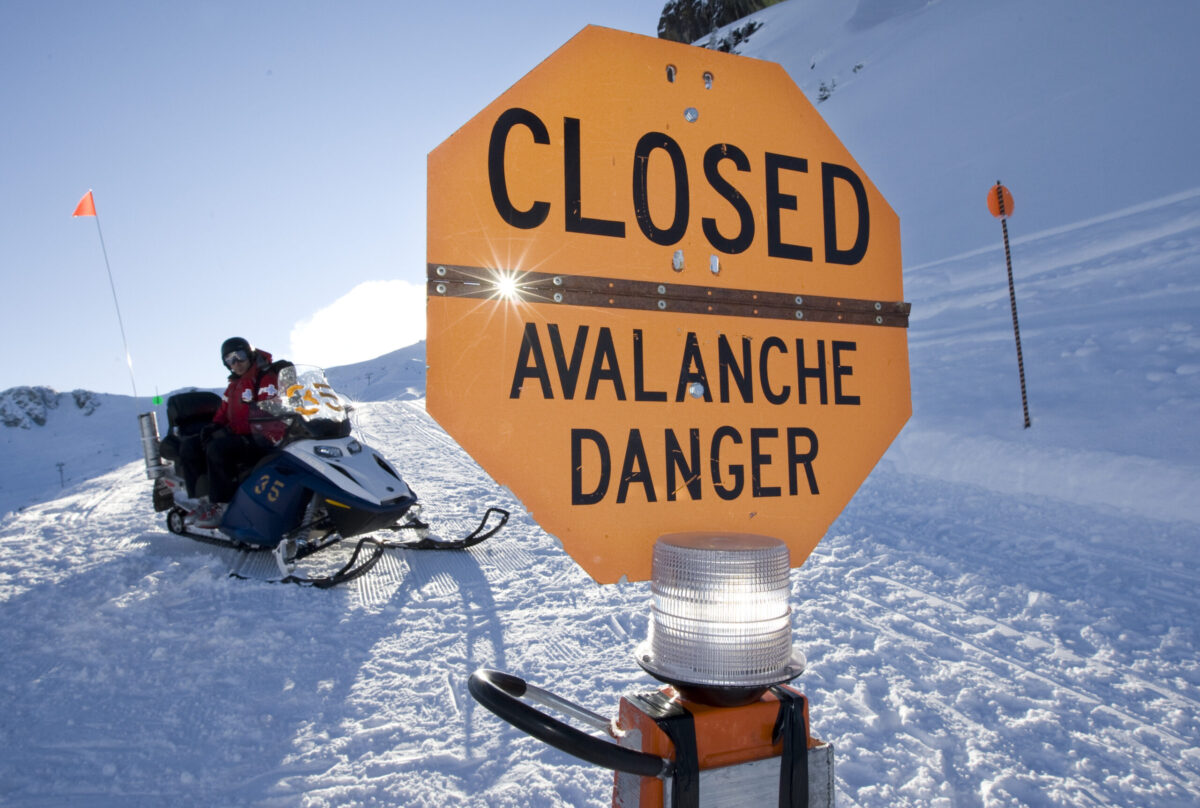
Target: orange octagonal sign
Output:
[{"x": 663, "y": 297}]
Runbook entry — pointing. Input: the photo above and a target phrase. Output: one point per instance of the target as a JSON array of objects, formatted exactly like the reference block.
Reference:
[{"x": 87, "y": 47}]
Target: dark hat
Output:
[{"x": 235, "y": 344}]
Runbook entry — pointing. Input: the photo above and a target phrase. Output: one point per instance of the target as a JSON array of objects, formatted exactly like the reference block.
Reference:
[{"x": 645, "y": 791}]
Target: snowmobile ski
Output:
[
  {"x": 481, "y": 533},
  {"x": 367, "y": 552}
]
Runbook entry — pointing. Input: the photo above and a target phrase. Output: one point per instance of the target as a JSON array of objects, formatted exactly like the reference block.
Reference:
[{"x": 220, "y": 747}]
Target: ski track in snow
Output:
[{"x": 983, "y": 686}]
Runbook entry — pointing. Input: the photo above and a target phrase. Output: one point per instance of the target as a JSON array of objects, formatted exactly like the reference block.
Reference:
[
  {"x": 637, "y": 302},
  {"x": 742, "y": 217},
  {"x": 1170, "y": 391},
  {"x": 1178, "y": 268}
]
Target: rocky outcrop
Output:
[
  {"x": 692, "y": 20},
  {"x": 27, "y": 407}
]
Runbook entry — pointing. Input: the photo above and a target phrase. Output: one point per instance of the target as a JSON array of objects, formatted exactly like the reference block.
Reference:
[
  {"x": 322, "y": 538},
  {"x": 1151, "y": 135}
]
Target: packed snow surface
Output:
[{"x": 1002, "y": 616}]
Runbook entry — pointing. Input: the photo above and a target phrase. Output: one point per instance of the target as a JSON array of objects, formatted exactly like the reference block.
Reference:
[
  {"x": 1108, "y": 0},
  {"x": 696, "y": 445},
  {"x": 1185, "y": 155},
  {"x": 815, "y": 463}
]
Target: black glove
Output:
[{"x": 207, "y": 433}]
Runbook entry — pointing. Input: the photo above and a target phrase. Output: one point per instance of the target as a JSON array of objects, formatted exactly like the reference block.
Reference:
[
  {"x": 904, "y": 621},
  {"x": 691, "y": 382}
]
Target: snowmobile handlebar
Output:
[{"x": 502, "y": 693}]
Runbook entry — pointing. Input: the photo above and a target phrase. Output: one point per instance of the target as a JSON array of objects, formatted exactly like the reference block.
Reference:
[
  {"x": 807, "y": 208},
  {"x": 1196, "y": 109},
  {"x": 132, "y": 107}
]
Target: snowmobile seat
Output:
[{"x": 187, "y": 414}]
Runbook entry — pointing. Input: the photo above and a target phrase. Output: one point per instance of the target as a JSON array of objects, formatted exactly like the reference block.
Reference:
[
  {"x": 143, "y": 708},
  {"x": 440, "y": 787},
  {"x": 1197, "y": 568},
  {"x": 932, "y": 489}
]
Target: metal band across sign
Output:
[{"x": 583, "y": 290}]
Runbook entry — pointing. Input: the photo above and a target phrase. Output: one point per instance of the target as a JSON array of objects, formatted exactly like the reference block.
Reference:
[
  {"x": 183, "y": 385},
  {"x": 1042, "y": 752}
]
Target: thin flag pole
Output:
[{"x": 87, "y": 207}]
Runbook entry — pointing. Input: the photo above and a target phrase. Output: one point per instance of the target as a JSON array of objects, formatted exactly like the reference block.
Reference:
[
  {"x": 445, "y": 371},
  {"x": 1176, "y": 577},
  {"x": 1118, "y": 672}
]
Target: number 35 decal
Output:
[{"x": 272, "y": 488}]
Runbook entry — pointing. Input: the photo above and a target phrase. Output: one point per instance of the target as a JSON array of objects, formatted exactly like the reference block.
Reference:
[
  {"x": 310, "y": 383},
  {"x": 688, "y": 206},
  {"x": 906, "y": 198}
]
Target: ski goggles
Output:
[{"x": 236, "y": 356}]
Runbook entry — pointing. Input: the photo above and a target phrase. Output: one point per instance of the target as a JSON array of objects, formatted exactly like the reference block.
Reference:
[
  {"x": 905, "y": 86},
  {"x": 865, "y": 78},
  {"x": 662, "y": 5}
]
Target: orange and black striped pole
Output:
[{"x": 1000, "y": 203}]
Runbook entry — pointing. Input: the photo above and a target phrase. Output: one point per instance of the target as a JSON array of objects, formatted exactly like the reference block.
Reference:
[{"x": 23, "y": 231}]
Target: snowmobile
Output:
[{"x": 316, "y": 485}]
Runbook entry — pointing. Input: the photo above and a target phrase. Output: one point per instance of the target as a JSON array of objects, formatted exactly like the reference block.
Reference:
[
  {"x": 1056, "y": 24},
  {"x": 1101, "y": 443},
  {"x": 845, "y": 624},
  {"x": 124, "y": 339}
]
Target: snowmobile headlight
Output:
[
  {"x": 354, "y": 447},
  {"x": 327, "y": 451}
]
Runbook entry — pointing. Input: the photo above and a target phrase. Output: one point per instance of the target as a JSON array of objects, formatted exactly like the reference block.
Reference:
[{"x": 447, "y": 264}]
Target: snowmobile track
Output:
[
  {"x": 1034, "y": 644},
  {"x": 1002, "y": 667}
]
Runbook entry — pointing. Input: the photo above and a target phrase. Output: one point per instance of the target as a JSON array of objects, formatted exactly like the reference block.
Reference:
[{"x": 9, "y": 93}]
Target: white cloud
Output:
[{"x": 371, "y": 319}]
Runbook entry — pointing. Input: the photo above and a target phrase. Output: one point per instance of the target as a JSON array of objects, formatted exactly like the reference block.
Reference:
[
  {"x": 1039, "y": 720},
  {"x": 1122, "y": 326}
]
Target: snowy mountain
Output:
[
  {"x": 396, "y": 375},
  {"x": 1002, "y": 616},
  {"x": 54, "y": 439},
  {"x": 1080, "y": 109}
]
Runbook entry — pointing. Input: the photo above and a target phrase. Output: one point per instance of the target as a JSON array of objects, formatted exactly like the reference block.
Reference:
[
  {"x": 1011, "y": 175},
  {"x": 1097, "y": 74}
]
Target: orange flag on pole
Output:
[{"x": 86, "y": 206}]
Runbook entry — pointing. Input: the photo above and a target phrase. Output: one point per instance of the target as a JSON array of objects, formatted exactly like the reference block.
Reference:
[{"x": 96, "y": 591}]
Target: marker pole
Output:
[
  {"x": 87, "y": 207},
  {"x": 1012, "y": 299}
]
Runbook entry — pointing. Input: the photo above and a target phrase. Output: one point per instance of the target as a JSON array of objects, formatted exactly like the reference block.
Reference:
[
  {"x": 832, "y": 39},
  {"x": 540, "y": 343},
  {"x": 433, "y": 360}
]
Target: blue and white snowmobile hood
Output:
[{"x": 352, "y": 466}]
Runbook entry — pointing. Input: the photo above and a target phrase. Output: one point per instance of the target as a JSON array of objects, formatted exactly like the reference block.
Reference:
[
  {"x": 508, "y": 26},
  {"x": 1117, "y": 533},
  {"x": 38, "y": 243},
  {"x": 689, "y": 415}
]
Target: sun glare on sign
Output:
[{"x": 506, "y": 286}]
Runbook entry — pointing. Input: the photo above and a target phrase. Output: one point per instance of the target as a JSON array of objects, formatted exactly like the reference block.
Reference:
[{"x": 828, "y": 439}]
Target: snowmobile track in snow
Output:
[{"x": 1003, "y": 664}]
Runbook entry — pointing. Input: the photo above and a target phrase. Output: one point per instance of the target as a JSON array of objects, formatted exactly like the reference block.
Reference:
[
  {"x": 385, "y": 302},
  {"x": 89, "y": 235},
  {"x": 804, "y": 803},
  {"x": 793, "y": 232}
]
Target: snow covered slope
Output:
[
  {"x": 51, "y": 440},
  {"x": 1081, "y": 108},
  {"x": 1000, "y": 617}
]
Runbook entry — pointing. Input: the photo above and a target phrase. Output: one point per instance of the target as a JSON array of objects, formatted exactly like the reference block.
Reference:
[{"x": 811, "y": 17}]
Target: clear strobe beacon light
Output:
[{"x": 721, "y": 626}]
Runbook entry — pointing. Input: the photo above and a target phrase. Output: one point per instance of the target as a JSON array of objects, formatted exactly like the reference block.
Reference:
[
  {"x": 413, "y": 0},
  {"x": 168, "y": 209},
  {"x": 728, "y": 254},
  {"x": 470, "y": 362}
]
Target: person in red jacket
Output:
[{"x": 231, "y": 442}]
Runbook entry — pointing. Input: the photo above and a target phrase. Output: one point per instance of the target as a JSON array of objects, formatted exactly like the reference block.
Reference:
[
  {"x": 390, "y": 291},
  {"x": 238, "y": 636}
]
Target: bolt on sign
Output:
[{"x": 663, "y": 297}]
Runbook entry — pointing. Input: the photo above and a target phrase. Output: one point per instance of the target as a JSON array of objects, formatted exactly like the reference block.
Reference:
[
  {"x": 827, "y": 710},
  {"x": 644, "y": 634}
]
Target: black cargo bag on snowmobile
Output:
[{"x": 187, "y": 415}]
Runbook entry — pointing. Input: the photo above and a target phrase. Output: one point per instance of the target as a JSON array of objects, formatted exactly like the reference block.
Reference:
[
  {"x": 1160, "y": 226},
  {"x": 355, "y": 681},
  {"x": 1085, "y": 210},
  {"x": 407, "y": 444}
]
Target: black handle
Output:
[{"x": 501, "y": 693}]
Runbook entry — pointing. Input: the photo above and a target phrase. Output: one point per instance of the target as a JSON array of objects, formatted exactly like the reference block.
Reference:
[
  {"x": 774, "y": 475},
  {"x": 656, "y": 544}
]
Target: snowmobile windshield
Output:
[{"x": 307, "y": 404}]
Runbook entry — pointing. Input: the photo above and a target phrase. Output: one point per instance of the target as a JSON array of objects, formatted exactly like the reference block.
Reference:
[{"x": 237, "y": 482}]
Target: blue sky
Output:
[{"x": 258, "y": 170}]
